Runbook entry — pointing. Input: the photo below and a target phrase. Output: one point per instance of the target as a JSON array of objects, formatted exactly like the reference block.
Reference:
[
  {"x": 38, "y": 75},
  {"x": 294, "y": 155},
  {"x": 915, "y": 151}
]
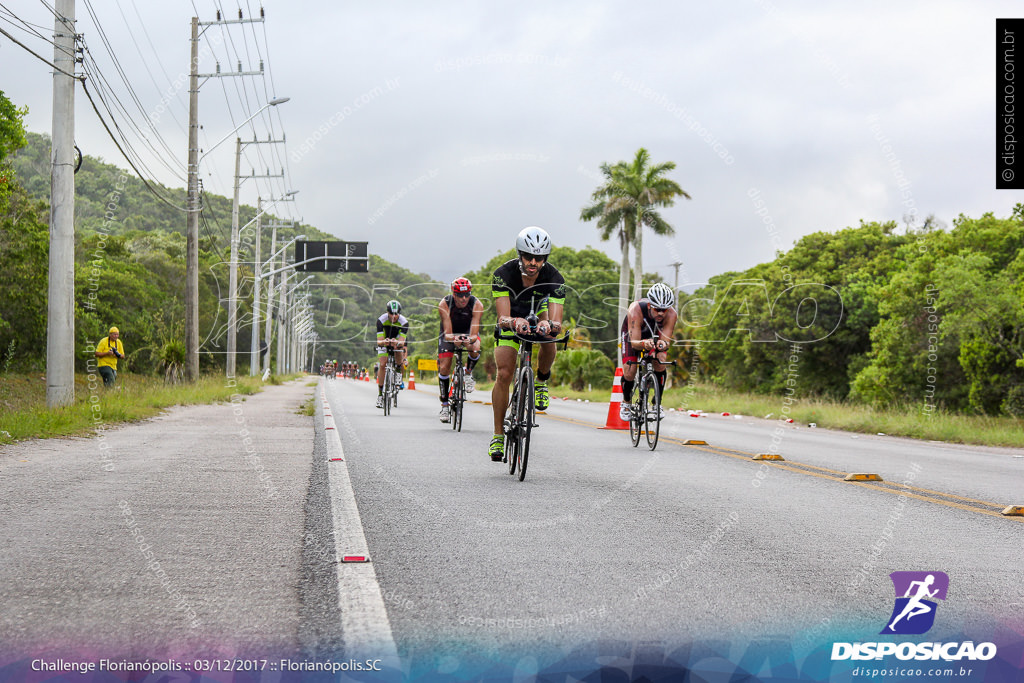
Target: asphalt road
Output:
[
  {"x": 607, "y": 543},
  {"x": 604, "y": 554}
]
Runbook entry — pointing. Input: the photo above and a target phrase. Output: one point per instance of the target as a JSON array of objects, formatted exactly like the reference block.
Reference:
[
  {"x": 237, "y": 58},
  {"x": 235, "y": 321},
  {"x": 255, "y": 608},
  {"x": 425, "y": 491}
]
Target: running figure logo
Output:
[{"x": 914, "y": 612}]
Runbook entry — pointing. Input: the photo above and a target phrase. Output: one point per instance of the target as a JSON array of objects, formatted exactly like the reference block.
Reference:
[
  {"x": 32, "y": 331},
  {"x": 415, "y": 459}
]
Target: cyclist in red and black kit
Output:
[
  {"x": 519, "y": 285},
  {"x": 460, "y": 314},
  {"x": 648, "y": 324}
]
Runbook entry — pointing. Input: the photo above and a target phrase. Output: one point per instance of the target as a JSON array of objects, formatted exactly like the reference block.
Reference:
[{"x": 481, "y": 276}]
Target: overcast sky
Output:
[{"x": 436, "y": 131}]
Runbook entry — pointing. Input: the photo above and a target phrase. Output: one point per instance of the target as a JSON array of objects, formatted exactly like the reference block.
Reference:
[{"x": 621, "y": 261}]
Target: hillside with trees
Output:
[{"x": 923, "y": 316}]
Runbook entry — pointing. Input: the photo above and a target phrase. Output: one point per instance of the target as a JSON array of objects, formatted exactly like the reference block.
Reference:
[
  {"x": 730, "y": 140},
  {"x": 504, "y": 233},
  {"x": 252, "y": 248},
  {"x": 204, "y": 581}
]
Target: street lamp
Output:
[
  {"x": 192, "y": 224},
  {"x": 272, "y": 103},
  {"x": 254, "y": 354},
  {"x": 283, "y": 310}
]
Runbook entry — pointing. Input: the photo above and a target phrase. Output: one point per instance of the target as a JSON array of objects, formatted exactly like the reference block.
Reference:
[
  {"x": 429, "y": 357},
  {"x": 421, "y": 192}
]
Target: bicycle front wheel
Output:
[
  {"x": 387, "y": 392},
  {"x": 393, "y": 383},
  {"x": 524, "y": 416},
  {"x": 651, "y": 417},
  {"x": 458, "y": 401},
  {"x": 637, "y": 410}
]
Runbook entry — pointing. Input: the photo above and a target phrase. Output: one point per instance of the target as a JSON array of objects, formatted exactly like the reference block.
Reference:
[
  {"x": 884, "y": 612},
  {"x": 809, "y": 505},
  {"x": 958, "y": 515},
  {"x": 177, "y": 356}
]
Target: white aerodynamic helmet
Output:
[
  {"x": 533, "y": 241},
  {"x": 661, "y": 295}
]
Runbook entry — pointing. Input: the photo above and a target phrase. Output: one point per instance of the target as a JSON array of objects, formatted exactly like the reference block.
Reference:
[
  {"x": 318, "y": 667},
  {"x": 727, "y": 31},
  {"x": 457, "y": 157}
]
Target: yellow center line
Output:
[{"x": 801, "y": 468}]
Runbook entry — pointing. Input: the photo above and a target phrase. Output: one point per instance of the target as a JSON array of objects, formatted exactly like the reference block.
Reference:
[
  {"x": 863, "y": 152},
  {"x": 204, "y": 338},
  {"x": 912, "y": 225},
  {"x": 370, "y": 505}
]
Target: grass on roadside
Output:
[
  {"x": 24, "y": 415},
  {"x": 308, "y": 407}
]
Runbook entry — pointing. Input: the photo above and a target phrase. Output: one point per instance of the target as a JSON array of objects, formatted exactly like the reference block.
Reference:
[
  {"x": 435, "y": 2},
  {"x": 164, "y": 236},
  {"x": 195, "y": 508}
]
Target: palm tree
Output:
[
  {"x": 614, "y": 216},
  {"x": 642, "y": 186}
]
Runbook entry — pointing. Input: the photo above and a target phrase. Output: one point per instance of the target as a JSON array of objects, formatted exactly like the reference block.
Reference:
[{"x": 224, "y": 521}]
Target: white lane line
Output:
[{"x": 364, "y": 619}]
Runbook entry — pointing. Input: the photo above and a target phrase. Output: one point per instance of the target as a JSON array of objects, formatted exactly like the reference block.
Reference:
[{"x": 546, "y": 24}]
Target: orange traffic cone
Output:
[
  {"x": 614, "y": 421},
  {"x": 412, "y": 380}
]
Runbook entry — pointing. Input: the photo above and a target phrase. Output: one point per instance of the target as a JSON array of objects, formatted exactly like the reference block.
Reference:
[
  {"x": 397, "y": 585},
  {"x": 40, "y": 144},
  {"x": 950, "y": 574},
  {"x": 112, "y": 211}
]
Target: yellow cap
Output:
[{"x": 114, "y": 330}]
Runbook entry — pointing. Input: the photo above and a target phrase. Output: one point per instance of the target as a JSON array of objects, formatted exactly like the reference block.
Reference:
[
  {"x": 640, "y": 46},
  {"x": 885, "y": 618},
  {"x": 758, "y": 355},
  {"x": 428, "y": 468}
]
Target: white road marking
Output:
[{"x": 364, "y": 619}]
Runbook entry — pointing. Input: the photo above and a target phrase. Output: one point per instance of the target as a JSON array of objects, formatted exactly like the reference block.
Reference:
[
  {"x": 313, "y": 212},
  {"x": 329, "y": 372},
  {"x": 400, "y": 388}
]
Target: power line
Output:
[
  {"x": 40, "y": 58},
  {"x": 131, "y": 91},
  {"x": 120, "y": 149}
]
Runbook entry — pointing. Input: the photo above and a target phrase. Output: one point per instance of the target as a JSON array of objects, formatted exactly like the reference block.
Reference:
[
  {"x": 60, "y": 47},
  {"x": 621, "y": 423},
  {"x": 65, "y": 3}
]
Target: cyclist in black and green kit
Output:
[
  {"x": 519, "y": 285},
  {"x": 393, "y": 331}
]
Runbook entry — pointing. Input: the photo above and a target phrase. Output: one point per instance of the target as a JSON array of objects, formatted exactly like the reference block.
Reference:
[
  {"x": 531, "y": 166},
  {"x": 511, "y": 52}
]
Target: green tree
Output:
[
  {"x": 24, "y": 253},
  {"x": 641, "y": 186},
  {"x": 581, "y": 367},
  {"x": 614, "y": 216}
]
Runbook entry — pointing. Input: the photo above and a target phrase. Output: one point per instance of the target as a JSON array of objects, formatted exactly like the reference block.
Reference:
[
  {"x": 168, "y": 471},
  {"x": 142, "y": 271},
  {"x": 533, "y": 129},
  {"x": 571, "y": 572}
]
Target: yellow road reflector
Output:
[
  {"x": 767, "y": 456},
  {"x": 863, "y": 476},
  {"x": 1014, "y": 511},
  {"x": 695, "y": 442}
]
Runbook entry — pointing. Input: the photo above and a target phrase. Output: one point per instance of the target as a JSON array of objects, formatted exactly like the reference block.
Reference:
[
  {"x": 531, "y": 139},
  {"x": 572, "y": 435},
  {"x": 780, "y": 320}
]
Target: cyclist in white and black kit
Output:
[
  {"x": 460, "y": 314},
  {"x": 520, "y": 284},
  {"x": 393, "y": 331},
  {"x": 648, "y": 324}
]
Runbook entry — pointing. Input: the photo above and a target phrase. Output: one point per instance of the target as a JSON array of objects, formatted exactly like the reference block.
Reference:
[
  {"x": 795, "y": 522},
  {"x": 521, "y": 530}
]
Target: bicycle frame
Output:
[
  {"x": 645, "y": 407},
  {"x": 521, "y": 413},
  {"x": 457, "y": 397},
  {"x": 391, "y": 380}
]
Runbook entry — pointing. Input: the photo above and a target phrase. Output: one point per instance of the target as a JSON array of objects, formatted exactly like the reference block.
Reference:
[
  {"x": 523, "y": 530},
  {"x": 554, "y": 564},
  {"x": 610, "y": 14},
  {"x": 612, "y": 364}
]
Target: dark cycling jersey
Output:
[
  {"x": 462, "y": 318},
  {"x": 508, "y": 281},
  {"x": 650, "y": 328}
]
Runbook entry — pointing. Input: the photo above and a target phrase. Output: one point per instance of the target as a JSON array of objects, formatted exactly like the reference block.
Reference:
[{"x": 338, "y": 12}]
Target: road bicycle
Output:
[
  {"x": 457, "y": 389},
  {"x": 392, "y": 379},
  {"x": 645, "y": 409},
  {"x": 519, "y": 417}
]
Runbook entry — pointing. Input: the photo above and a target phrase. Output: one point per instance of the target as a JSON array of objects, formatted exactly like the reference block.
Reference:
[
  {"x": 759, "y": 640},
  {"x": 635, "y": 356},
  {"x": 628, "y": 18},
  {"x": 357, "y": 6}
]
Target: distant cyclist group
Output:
[
  {"x": 332, "y": 368},
  {"x": 529, "y": 299}
]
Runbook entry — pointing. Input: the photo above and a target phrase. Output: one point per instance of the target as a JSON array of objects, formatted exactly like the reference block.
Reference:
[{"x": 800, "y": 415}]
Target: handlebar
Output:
[{"x": 537, "y": 338}]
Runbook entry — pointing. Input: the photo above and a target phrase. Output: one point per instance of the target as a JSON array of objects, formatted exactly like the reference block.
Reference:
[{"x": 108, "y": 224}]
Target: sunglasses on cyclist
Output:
[
  {"x": 533, "y": 257},
  {"x": 658, "y": 310},
  {"x": 461, "y": 295}
]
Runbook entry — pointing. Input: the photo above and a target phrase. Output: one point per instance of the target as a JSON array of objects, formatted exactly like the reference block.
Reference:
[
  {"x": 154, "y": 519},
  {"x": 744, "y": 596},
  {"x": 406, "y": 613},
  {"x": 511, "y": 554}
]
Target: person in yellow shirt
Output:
[{"x": 108, "y": 350}]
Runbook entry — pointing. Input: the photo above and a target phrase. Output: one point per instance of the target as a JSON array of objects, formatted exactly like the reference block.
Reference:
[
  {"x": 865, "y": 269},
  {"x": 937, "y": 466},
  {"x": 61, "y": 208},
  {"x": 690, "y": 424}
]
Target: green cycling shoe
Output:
[
  {"x": 496, "y": 449},
  {"x": 541, "y": 400}
]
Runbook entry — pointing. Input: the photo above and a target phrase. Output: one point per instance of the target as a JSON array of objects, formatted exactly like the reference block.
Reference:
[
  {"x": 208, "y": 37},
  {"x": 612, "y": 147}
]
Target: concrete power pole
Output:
[
  {"x": 233, "y": 271},
  {"x": 193, "y": 203},
  {"x": 60, "y": 315},
  {"x": 232, "y": 359},
  {"x": 254, "y": 341},
  {"x": 676, "y": 266},
  {"x": 192, "y": 222},
  {"x": 270, "y": 298}
]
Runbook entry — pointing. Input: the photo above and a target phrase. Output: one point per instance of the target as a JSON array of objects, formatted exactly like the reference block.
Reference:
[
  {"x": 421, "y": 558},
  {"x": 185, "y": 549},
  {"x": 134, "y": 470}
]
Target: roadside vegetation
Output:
[
  {"x": 908, "y": 421},
  {"x": 24, "y": 415}
]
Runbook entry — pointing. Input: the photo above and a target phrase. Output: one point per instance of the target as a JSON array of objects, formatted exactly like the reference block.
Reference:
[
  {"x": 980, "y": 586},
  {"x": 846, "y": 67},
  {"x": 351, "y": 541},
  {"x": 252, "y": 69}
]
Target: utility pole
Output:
[
  {"x": 60, "y": 314},
  {"x": 192, "y": 221},
  {"x": 254, "y": 352},
  {"x": 268, "y": 330},
  {"x": 233, "y": 266},
  {"x": 676, "y": 265},
  {"x": 254, "y": 344},
  {"x": 193, "y": 203},
  {"x": 270, "y": 297}
]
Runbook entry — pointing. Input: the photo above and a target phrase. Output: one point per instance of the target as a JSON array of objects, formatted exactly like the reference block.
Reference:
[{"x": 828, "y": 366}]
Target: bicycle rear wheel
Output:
[
  {"x": 651, "y": 417},
  {"x": 524, "y": 416}
]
